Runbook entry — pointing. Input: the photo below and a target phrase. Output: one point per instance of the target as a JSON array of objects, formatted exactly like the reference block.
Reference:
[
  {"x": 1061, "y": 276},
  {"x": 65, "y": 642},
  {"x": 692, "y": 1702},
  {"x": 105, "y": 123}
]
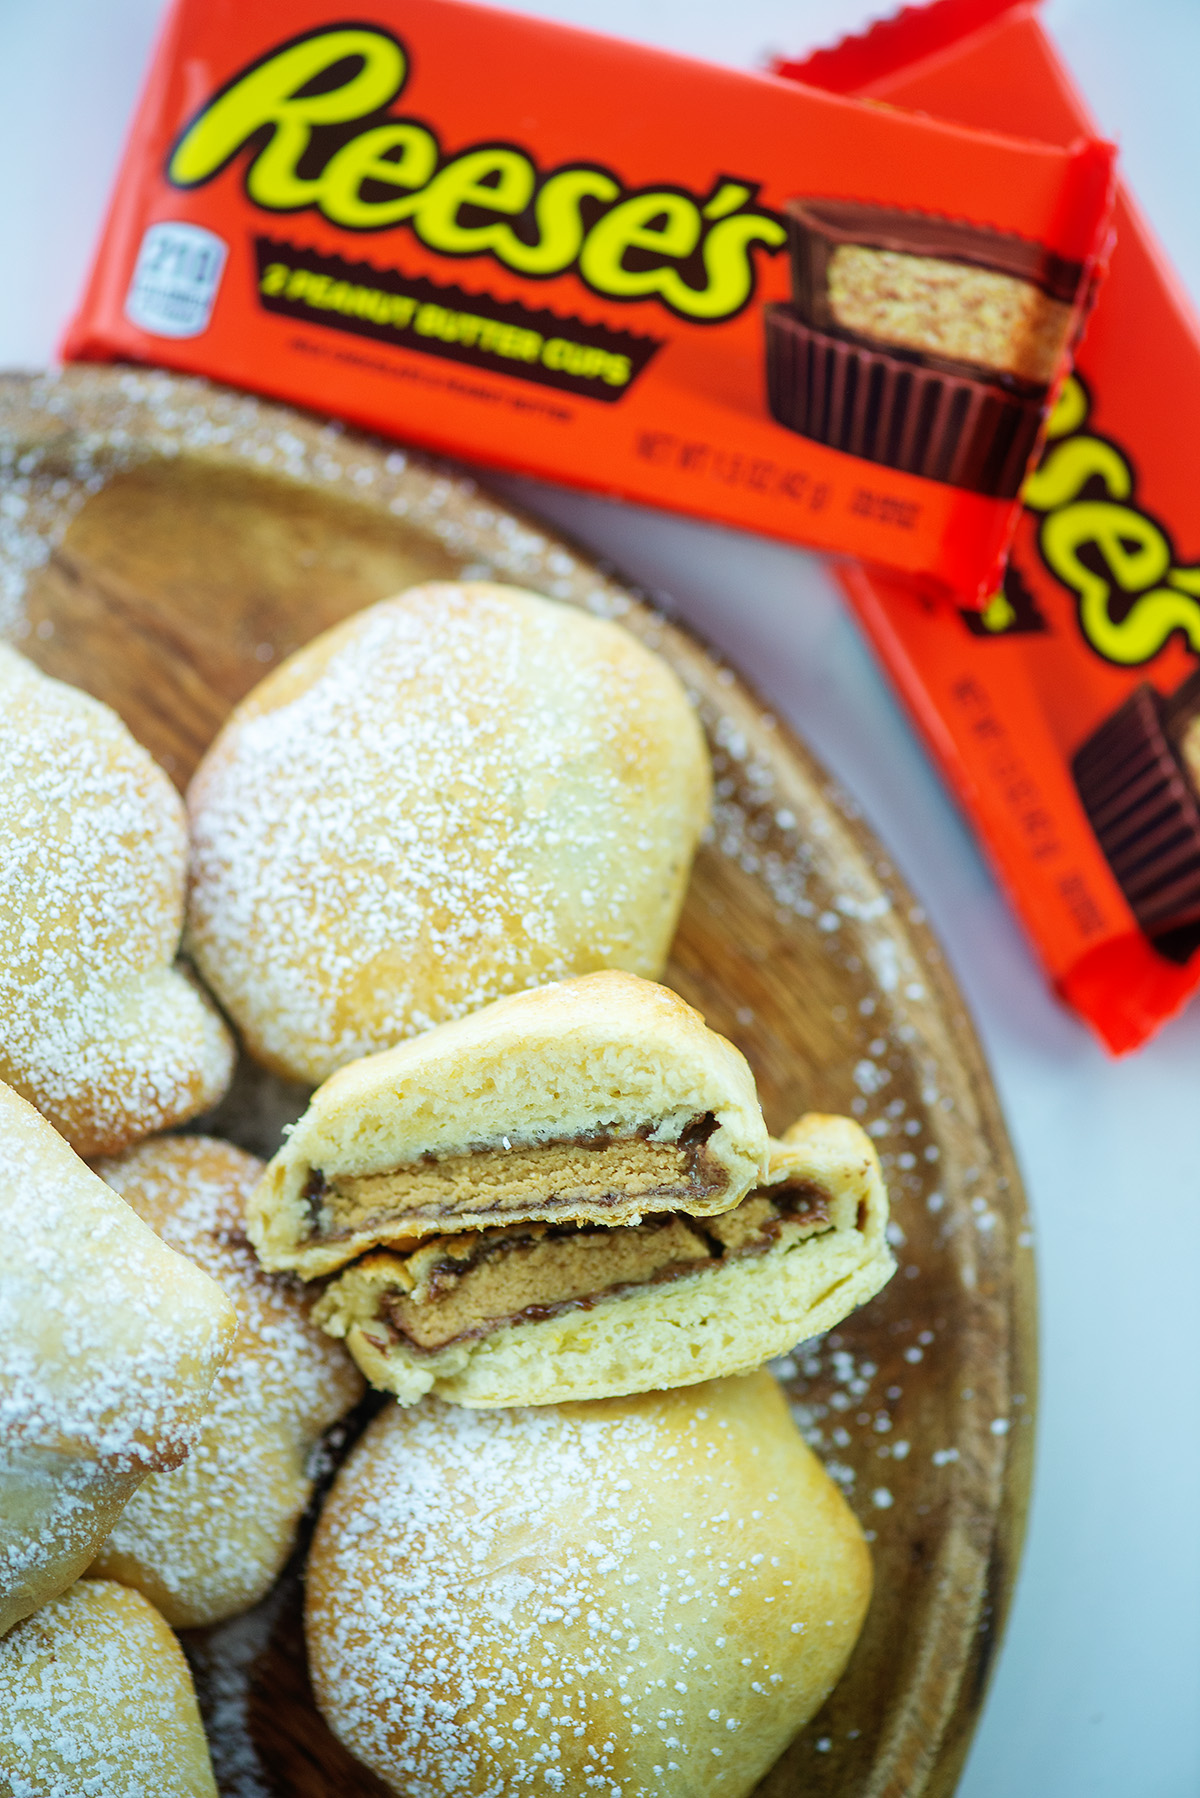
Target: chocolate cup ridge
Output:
[
  {"x": 1146, "y": 816},
  {"x": 894, "y": 409}
]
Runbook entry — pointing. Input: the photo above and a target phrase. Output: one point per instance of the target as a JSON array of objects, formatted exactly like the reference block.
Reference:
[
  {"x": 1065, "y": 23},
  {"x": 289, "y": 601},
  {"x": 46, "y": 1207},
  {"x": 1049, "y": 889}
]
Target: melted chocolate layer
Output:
[
  {"x": 671, "y": 1247},
  {"x": 481, "y": 1185}
]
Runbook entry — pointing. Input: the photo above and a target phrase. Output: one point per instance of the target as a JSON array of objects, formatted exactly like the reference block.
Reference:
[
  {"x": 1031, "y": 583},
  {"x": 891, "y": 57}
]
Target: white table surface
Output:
[{"x": 1097, "y": 1691}]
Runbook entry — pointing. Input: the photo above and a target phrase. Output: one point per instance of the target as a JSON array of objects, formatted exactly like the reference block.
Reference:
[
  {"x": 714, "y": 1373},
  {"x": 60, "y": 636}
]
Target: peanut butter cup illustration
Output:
[
  {"x": 927, "y": 344},
  {"x": 1138, "y": 775}
]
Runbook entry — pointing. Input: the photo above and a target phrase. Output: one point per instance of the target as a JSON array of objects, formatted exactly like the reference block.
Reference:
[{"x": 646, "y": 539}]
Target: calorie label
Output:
[{"x": 175, "y": 281}]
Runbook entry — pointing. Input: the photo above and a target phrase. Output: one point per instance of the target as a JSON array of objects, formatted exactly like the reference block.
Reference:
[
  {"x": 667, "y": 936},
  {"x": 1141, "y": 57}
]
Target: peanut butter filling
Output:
[
  {"x": 598, "y": 1175},
  {"x": 456, "y": 1288},
  {"x": 949, "y": 309}
]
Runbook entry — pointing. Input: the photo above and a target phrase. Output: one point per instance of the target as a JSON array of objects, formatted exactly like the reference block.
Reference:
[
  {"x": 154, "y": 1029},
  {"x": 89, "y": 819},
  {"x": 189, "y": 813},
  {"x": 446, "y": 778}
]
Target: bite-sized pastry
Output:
[
  {"x": 592, "y": 1101},
  {"x": 207, "y": 1539},
  {"x": 109, "y": 1343},
  {"x": 458, "y": 793},
  {"x": 97, "y": 1027},
  {"x": 647, "y": 1595},
  {"x": 537, "y": 1314},
  {"x": 96, "y": 1701}
]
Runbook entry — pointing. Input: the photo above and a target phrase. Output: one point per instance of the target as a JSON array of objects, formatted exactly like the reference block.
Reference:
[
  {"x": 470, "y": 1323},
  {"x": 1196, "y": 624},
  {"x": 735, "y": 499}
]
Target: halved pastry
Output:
[
  {"x": 542, "y": 1313},
  {"x": 596, "y": 1101}
]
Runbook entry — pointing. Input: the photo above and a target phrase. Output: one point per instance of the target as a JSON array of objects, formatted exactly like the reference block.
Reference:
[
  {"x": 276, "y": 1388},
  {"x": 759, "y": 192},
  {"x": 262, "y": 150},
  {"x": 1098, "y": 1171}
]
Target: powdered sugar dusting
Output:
[
  {"x": 109, "y": 1342},
  {"x": 37, "y": 504},
  {"x": 470, "y": 800},
  {"x": 549, "y": 1599},
  {"x": 54, "y": 1509},
  {"x": 206, "y": 1539},
  {"x": 98, "y": 1030},
  {"x": 96, "y": 1703},
  {"x": 778, "y": 853}
]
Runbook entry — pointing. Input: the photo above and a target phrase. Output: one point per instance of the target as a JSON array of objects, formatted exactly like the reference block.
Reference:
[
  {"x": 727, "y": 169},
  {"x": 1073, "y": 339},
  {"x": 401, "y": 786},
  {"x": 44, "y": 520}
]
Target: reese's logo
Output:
[
  {"x": 1119, "y": 562},
  {"x": 314, "y": 117}
]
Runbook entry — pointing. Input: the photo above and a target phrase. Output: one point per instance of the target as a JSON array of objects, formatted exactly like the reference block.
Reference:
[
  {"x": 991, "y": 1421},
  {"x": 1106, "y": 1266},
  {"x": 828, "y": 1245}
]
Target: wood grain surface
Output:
[{"x": 163, "y": 544}]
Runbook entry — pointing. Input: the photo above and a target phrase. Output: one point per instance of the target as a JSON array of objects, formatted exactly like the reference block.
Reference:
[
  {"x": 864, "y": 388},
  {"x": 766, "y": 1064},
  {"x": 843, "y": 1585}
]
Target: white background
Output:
[{"x": 1097, "y": 1693}]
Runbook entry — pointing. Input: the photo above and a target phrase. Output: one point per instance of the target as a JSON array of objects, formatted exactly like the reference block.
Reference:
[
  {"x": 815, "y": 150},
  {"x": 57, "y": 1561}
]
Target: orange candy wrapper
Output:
[
  {"x": 561, "y": 254},
  {"x": 1066, "y": 716}
]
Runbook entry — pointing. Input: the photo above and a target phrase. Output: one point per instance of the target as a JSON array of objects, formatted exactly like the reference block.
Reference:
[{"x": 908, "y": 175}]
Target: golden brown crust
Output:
[
  {"x": 109, "y": 1344},
  {"x": 98, "y": 1028},
  {"x": 206, "y": 1540},
  {"x": 461, "y": 792},
  {"x": 596, "y": 1591},
  {"x": 96, "y": 1697},
  {"x": 55, "y": 1510}
]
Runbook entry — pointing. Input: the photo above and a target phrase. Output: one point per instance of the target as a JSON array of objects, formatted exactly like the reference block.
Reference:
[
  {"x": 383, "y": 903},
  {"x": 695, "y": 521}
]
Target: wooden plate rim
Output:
[{"x": 68, "y": 418}]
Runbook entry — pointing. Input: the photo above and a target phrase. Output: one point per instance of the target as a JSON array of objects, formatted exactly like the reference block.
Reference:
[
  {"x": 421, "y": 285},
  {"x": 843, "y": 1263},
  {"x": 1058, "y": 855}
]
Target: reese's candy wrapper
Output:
[
  {"x": 555, "y": 252},
  {"x": 1066, "y": 715}
]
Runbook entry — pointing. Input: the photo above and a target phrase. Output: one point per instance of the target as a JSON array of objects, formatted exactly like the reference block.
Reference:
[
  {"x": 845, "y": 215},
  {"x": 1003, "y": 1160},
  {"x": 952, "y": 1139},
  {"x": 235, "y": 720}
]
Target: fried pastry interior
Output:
[
  {"x": 456, "y": 1287},
  {"x": 599, "y": 1175},
  {"x": 538, "y": 1312},
  {"x": 594, "y": 1102}
]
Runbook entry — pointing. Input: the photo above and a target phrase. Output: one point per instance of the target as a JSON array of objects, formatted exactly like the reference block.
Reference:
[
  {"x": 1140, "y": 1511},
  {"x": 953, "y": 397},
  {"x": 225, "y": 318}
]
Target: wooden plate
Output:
[{"x": 162, "y": 544}]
